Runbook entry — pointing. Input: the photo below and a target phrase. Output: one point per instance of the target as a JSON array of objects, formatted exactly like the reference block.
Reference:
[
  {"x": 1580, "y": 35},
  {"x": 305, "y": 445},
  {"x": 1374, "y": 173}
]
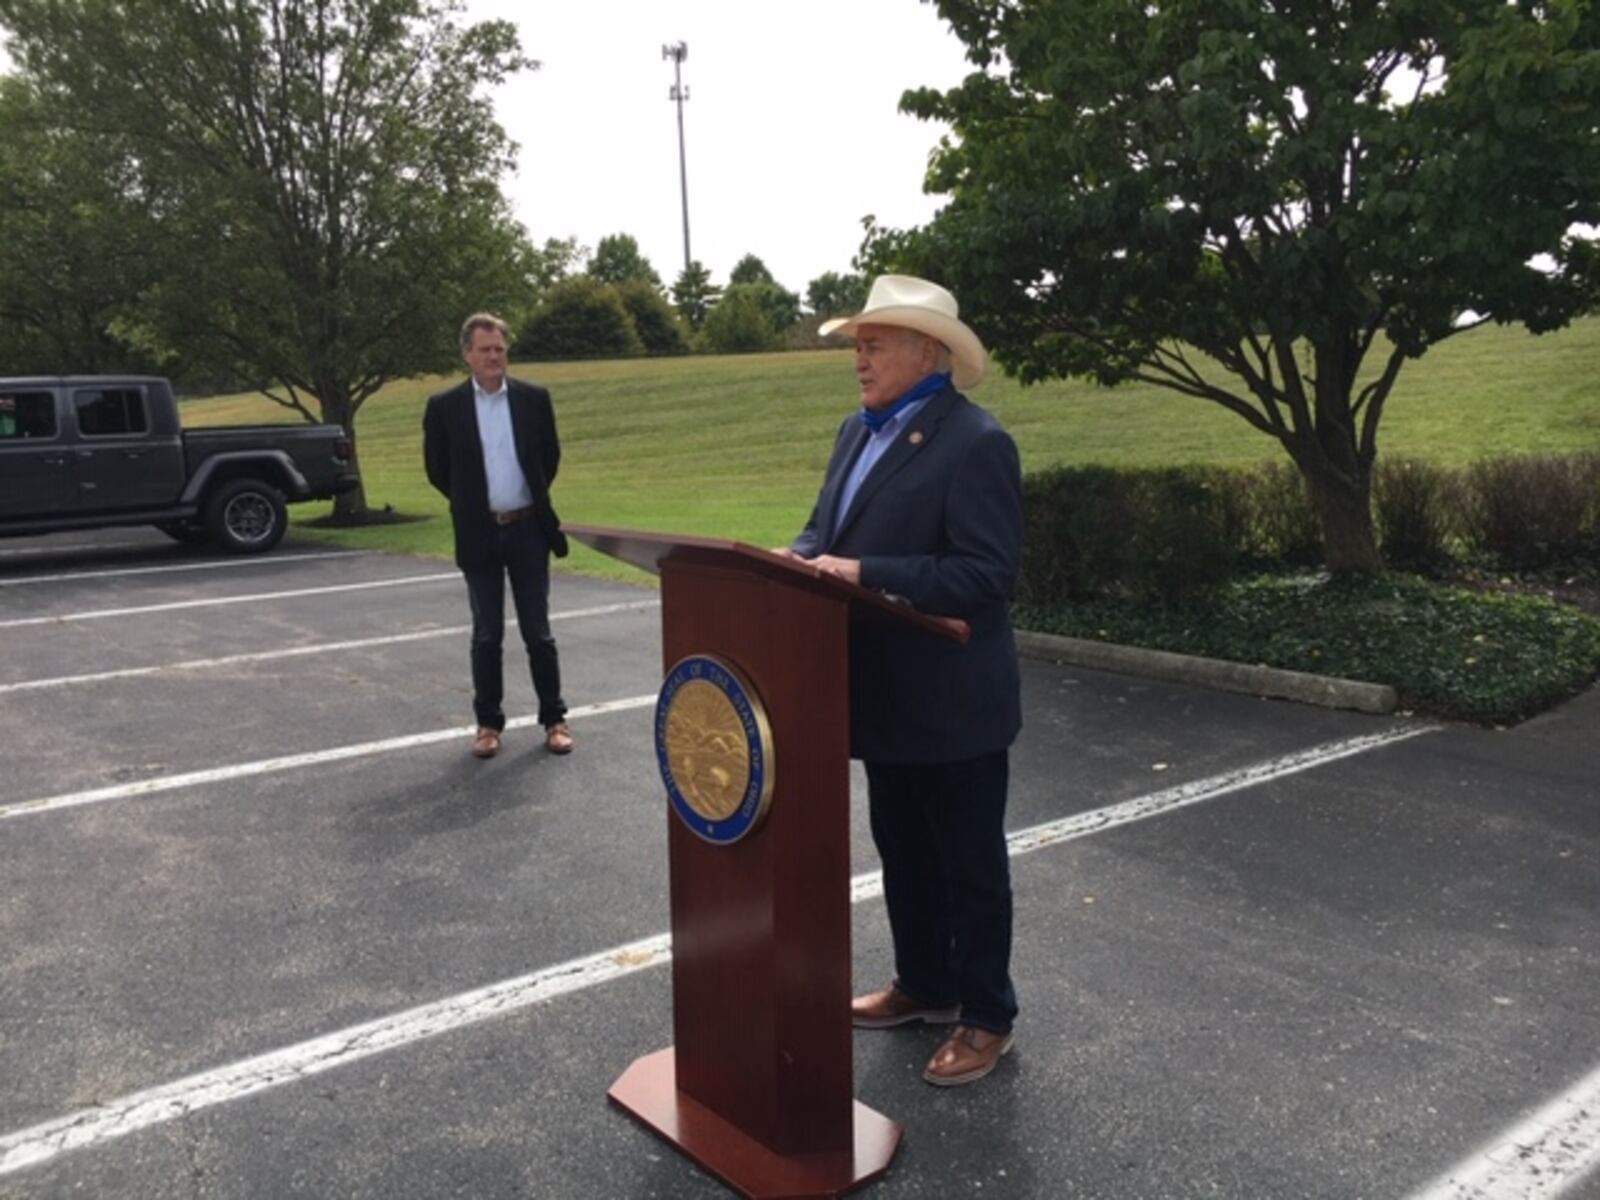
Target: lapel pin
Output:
[{"x": 916, "y": 437}]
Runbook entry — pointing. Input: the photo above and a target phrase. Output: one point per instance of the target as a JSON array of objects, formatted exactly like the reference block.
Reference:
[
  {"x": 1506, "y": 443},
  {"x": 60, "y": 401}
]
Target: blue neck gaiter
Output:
[{"x": 932, "y": 385}]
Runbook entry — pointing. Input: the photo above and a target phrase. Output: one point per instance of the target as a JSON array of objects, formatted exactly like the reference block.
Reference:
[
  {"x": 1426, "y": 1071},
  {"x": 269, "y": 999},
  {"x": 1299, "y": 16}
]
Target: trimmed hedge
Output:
[
  {"x": 1212, "y": 562},
  {"x": 1166, "y": 536},
  {"x": 1097, "y": 532}
]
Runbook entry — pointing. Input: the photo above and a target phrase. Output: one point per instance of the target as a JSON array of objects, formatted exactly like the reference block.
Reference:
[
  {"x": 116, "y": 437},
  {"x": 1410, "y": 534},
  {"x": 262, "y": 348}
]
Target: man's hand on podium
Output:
[{"x": 847, "y": 569}]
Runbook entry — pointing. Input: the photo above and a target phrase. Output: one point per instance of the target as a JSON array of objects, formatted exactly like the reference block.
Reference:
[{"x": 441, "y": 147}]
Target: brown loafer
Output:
[
  {"x": 558, "y": 739},
  {"x": 891, "y": 1007},
  {"x": 967, "y": 1055},
  {"x": 487, "y": 743}
]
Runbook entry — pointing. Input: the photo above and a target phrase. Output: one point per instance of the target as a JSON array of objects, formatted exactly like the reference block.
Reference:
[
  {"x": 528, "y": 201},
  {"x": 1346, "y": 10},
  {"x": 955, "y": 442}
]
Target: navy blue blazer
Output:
[
  {"x": 937, "y": 521},
  {"x": 453, "y": 456}
]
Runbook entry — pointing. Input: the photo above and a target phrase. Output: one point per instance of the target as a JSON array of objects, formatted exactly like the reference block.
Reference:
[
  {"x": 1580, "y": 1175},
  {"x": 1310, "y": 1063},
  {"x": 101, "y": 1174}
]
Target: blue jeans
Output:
[
  {"x": 521, "y": 556},
  {"x": 940, "y": 831}
]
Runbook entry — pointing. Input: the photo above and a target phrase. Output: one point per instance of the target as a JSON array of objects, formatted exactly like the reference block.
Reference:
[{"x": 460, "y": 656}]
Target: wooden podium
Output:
[{"x": 757, "y": 1087}]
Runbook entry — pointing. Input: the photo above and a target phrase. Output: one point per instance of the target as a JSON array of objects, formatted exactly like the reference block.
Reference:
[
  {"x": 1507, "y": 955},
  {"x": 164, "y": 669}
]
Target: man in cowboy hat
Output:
[{"x": 923, "y": 500}]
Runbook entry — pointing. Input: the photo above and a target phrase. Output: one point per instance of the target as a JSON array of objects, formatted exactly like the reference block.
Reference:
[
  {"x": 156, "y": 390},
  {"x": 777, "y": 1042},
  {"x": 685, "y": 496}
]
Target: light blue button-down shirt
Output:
[
  {"x": 877, "y": 446},
  {"x": 508, "y": 486}
]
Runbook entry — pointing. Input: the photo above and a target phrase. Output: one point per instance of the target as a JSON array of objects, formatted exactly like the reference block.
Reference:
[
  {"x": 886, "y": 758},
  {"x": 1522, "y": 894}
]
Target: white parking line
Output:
[
  {"x": 30, "y": 1147},
  {"x": 254, "y": 598},
  {"x": 288, "y": 762},
  {"x": 1155, "y": 804},
  {"x": 234, "y": 660},
  {"x": 207, "y": 565},
  {"x": 1545, "y": 1156},
  {"x": 112, "y": 1119},
  {"x": 1184, "y": 794}
]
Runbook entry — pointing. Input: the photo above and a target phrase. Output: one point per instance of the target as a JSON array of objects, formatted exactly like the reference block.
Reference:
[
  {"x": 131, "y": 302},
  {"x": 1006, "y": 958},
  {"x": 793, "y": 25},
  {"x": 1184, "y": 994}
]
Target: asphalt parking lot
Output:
[{"x": 270, "y": 931}]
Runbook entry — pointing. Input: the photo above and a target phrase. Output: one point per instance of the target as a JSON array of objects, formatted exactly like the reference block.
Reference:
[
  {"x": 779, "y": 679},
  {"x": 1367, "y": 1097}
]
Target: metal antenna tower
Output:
[{"x": 679, "y": 93}]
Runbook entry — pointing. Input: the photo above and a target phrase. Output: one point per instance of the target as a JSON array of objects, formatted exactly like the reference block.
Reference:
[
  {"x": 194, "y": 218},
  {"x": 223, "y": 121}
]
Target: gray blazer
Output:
[{"x": 938, "y": 521}]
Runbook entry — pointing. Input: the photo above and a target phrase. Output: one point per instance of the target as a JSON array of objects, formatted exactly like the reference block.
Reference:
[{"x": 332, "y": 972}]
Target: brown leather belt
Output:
[{"x": 510, "y": 515}]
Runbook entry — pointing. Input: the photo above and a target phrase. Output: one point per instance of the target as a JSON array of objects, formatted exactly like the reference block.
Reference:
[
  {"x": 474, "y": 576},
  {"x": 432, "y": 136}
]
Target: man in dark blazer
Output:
[
  {"x": 490, "y": 446},
  {"x": 923, "y": 500}
]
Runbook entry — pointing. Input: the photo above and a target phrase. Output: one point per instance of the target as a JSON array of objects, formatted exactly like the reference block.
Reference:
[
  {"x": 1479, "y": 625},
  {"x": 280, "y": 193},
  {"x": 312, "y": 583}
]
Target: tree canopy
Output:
[
  {"x": 1284, "y": 189},
  {"x": 617, "y": 259},
  {"x": 549, "y": 264},
  {"x": 317, "y": 180},
  {"x": 750, "y": 269},
  {"x": 72, "y": 258},
  {"x": 693, "y": 294},
  {"x": 832, "y": 294}
]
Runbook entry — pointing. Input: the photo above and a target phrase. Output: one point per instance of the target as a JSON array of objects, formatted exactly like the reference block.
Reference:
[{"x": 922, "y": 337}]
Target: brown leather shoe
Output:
[
  {"x": 487, "y": 743},
  {"x": 967, "y": 1055},
  {"x": 890, "y": 1007},
  {"x": 558, "y": 739}
]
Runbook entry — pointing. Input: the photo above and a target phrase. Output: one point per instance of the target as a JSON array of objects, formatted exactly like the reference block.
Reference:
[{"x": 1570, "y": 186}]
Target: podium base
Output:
[{"x": 648, "y": 1091}]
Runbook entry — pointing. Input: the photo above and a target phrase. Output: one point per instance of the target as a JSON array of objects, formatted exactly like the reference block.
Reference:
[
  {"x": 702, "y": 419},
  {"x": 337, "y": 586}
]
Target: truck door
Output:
[
  {"x": 37, "y": 474},
  {"x": 122, "y": 462}
]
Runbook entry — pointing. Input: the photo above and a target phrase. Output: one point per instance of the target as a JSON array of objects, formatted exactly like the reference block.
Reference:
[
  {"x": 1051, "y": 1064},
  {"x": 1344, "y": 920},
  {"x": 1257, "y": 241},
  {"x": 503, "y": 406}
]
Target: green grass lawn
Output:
[{"x": 735, "y": 446}]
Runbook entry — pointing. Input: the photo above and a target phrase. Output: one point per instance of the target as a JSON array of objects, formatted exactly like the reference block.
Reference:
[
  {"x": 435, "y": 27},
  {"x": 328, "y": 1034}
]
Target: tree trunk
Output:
[
  {"x": 351, "y": 507},
  {"x": 1344, "y": 507}
]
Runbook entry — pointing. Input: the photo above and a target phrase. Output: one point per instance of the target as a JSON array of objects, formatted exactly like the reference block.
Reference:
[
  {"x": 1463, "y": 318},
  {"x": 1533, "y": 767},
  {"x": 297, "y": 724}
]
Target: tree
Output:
[
  {"x": 1283, "y": 188},
  {"x": 831, "y": 294},
  {"x": 329, "y": 205},
  {"x": 739, "y": 323},
  {"x": 551, "y": 263},
  {"x": 580, "y": 318},
  {"x": 72, "y": 257},
  {"x": 781, "y": 306},
  {"x": 658, "y": 326},
  {"x": 750, "y": 269},
  {"x": 693, "y": 294},
  {"x": 617, "y": 259}
]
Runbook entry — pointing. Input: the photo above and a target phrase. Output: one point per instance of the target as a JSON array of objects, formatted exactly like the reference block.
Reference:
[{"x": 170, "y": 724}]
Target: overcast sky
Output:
[{"x": 792, "y": 128}]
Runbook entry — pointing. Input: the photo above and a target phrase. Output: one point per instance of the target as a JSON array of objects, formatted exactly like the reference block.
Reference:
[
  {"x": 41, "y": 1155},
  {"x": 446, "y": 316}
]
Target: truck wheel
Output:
[
  {"x": 246, "y": 516},
  {"x": 182, "y": 531}
]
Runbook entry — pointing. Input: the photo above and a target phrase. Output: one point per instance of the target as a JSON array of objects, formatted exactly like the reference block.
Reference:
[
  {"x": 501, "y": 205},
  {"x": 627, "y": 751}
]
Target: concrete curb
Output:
[{"x": 1210, "y": 672}]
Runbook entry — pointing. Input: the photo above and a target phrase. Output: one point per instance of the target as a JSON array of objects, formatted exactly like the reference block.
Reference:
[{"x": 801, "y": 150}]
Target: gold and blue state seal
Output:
[{"x": 714, "y": 748}]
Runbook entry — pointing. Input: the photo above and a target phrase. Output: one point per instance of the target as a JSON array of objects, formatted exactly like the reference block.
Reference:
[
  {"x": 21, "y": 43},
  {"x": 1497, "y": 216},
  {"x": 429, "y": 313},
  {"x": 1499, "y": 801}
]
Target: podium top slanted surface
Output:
[{"x": 647, "y": 551}]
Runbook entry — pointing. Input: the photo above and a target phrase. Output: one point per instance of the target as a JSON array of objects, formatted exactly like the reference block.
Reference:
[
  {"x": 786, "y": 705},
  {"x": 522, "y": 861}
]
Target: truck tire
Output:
[
  {"x": 184, "y": 531},
  {"x": 246, "y": 516}
]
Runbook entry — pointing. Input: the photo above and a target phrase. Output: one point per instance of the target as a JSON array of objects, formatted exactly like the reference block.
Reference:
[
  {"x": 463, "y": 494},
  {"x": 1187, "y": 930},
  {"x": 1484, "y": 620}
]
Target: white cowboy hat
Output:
[{"x": 911, "y": 303}]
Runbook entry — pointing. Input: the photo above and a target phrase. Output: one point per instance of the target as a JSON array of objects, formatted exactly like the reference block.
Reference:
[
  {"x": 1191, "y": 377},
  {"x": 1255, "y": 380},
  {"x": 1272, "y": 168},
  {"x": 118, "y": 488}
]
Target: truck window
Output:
[
  {"x": 27, "y": 415},
  {"x": 110, "y": 412}
]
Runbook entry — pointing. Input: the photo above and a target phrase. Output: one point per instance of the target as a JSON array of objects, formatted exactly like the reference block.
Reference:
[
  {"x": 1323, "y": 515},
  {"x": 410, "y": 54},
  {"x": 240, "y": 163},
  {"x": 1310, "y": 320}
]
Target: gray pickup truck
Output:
[{"x": 81, "y": 452}]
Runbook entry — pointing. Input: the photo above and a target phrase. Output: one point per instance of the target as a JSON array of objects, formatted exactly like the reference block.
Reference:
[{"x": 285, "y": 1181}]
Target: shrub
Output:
[
  {"x": 780, "y": 304},
  {"x": 658, "y": 326},
  {"x": 580, "y": 318},
  {"x": 739, "y": 324},
  {"x": 1413, "y": 502},
  {"x": 1165, "y": 535},
  {"x": 1531, "y": 511},
  {"x": 1192, "y": 523},
  {"x": 1283, "y": 524},
  {"x": 1074, "y": 526}
]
